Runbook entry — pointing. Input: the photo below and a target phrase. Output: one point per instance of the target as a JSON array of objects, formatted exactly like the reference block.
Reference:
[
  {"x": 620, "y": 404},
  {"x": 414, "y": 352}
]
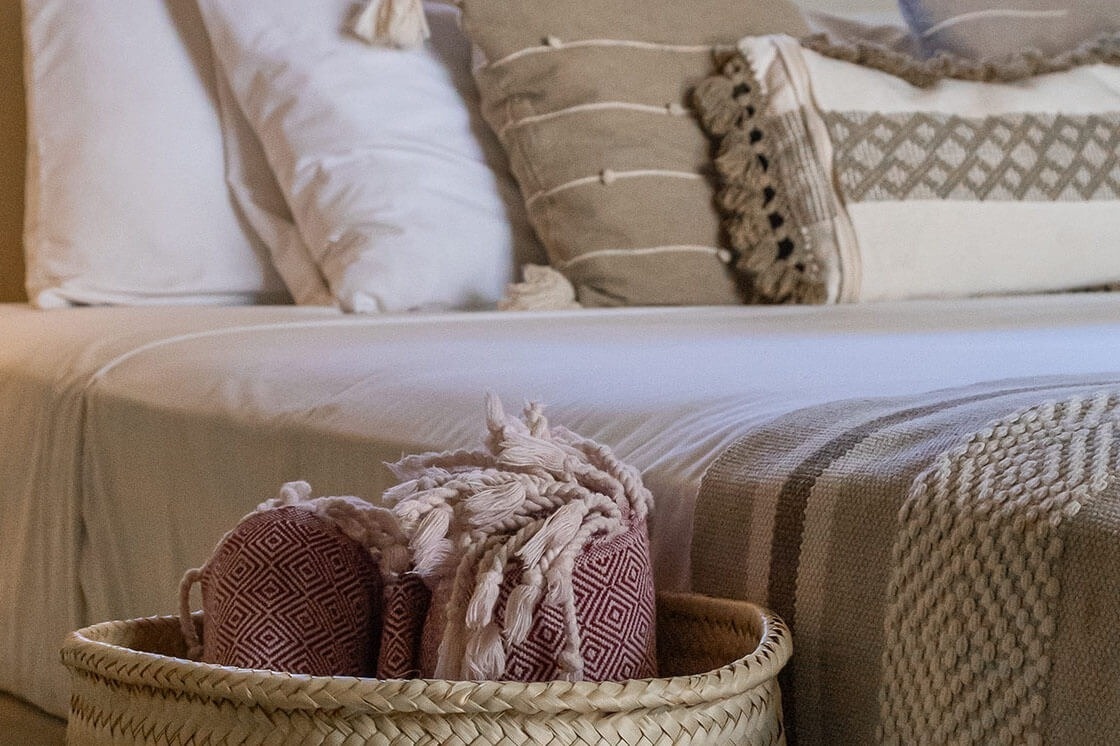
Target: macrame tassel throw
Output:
[
  {"x": 537, "y": 553},
  {"x": 392, "y": 23}
]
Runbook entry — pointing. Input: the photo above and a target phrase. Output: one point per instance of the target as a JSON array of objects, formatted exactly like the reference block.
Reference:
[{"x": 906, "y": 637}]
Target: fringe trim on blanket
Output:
[
  {"x": 924, "y": 73},
  {"x": 769, "y": 253},
  {"x": 532, "y": 499}
]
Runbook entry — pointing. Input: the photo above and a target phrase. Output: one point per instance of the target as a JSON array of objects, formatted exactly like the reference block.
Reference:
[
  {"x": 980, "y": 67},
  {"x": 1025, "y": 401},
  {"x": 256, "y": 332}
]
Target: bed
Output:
[{"x": 139, "y": 426}]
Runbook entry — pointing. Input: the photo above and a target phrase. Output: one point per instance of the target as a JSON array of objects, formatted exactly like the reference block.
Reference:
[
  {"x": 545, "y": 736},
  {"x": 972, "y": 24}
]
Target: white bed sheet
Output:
[{"x": 133, "y": 438}]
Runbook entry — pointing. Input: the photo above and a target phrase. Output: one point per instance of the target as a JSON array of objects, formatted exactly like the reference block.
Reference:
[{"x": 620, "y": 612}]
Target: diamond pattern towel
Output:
[
  {"x": 287, "y": 590},
  {"x": 528, "y": 560},
  {"x": 537, "y": 552}
]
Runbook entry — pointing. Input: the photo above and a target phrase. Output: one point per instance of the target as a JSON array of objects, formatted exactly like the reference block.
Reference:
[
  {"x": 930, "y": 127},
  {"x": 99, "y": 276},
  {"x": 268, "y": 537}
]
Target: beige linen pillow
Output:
[{"x": 590, "y": 101}]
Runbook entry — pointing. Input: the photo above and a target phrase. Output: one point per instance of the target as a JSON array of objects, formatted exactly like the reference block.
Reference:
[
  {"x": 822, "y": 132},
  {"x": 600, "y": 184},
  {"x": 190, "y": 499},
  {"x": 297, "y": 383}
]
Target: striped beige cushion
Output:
[{"x": 590, "y": 104}]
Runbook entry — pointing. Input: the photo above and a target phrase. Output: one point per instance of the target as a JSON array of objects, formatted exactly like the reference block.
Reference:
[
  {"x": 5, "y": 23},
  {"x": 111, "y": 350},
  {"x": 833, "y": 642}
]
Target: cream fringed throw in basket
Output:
[{"x": 534, "y": 549}]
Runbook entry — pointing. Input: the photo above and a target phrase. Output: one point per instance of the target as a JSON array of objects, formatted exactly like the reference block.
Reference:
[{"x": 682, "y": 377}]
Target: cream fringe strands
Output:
[{"x": 533, "y": 498}]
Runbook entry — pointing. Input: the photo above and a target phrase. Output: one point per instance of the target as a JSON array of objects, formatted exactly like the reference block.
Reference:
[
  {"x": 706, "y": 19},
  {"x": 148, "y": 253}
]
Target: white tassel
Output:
[
  {"x": 495, "y": 413},
  {"x": 558, "y": 530},
  {"x": 485, "y": 655},
  {"x": 520, "y": 606},
  {"x": 480, "y": 610},
  {"x": 494, "y": 504},
  {"x": 430, "y": 545},
  {"x": 394, "y": 23},
  {"x": 544, "y": 289},
  {"x": 524, "y": 451}
]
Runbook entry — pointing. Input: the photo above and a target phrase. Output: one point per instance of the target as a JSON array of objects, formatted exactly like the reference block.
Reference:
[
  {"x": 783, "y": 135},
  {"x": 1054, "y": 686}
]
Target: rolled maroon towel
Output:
[{"x": 296, "y": 586}]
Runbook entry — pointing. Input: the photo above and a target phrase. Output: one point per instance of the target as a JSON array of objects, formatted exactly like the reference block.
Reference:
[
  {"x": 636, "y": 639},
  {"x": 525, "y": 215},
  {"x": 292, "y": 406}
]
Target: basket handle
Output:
[{"x": 186, "y": 623}]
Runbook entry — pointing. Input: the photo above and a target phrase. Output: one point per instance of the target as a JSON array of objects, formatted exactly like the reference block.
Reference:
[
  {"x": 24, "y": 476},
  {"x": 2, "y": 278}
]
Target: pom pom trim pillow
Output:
[
  {"x": 845, "y": 183},
  {"x": 590, "y": 102}
]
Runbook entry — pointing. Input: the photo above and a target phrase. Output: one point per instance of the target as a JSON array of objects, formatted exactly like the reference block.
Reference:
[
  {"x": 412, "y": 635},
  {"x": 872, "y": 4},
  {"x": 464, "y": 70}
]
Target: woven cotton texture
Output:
[
  {"x": 946, "y": 561},
  {"x": 537, "y": 552},
  {"x": 131, "y": 685},
  {"x": 288, "y": 591},
  {"x": 839, "y": 183},
  {"x": 296, "y": 586}
]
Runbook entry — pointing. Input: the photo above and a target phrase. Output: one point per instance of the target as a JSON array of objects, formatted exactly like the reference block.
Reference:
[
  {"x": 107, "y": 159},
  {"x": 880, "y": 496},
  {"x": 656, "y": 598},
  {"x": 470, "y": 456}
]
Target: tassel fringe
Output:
[
  {"x": 392, "y": 23},
  {"x": 544, "y": 289}
]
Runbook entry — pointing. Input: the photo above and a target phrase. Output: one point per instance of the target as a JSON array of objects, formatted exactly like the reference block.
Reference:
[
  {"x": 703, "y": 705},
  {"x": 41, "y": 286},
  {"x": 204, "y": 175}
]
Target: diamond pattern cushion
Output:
[{"x": 288, "y": 591}]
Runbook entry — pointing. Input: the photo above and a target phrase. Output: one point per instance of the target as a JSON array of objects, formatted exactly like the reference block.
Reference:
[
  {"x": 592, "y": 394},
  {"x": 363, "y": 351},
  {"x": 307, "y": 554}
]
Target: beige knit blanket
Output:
[{"x": 949, "y": 563}]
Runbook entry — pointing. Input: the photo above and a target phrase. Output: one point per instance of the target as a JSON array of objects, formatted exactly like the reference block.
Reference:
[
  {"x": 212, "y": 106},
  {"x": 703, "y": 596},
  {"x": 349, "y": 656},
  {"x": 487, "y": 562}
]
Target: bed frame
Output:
[{"x": 13, "y": 146}]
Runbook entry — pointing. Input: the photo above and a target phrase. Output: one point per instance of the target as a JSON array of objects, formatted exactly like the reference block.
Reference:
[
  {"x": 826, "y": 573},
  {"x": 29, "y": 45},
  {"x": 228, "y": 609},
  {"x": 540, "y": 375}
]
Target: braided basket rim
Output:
[{"x": 91, "y": 651}]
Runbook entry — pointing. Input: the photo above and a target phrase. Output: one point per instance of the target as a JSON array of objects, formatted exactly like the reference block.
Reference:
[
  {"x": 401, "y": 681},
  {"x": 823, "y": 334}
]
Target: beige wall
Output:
[{"x": 12, "y": 150}]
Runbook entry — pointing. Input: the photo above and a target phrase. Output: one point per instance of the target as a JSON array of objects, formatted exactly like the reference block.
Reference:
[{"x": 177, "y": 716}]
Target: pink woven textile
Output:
[
  {"x": 613, "y": 584},
  {"x": 614, "y": 594},
  {"x": 537, "y": 551},
  {"x": 406, "y": 604},
  {"x": 287, "y": 591}
]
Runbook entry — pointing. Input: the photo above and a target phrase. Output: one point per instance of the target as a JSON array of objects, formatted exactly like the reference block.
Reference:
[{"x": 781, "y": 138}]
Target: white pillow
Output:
[
  {"x": 380, "y": 153},
  {"x": 126, "y": 198},
  {"x": 254, "y": 187}
]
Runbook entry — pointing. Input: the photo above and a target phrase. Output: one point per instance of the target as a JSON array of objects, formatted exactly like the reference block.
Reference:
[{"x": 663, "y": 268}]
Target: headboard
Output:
[{"x": 13, "y": 143}]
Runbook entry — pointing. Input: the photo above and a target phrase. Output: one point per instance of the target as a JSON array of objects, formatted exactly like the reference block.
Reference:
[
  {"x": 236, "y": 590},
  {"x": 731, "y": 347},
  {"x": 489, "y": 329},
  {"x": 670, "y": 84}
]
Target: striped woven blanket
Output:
[{"x": 949, "y": 563}]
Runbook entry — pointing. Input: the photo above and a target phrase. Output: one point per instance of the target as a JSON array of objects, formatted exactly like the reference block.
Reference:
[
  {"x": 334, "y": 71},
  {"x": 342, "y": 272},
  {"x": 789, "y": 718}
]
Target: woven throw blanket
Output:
[{"x": 949, "y": 563}]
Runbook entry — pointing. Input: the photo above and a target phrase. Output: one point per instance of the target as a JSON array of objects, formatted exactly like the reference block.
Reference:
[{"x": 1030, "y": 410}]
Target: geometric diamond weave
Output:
[
  {"x": 1010, "y": 157},
  {"x": 288, "y": 591},
  {"x": 614, "y": 596}
]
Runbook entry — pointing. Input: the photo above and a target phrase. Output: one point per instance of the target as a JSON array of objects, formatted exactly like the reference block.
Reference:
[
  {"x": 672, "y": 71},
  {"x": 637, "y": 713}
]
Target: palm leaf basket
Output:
[{"x": 720, "y": 657}]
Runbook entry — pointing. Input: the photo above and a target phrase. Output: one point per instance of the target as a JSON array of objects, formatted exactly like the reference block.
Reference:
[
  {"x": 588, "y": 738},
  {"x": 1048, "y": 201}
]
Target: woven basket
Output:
[{"x": 128, "y": 688}]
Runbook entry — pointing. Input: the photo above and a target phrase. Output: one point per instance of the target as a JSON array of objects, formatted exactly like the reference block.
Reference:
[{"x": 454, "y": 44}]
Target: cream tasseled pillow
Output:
[{"x": 843, "y": 183}]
